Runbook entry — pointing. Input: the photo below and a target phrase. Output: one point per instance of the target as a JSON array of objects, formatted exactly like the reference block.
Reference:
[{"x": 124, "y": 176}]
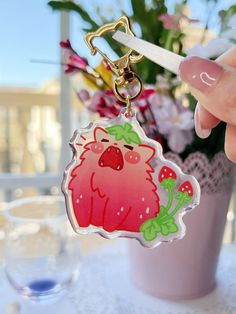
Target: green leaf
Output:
[
  {"x": 167, "y": 225},
  {"x": 173, "y": 228},
  {"x": 92, "y": 25},
  {"x": 149, "y": 229},
  {"x": 164, "y": 230},
  {"x": 116, "y": 130},
  {"x": 113, "y": 129},
  {"x": 183, "y": 197},
  {"x": 72, "y": 6},
  {"x": 168, "y": 183},
  {"x": 162, "y": 212},
  {"x": 164, "y": 224},
  {"x": 146, "y": 224},
  {"x": 127, "y": 127},
  {"x": 124, "y": 132},
  {"x": 146, "y": 14},
  {"x": 150, "y": 234},
  {"x": 139, "y": 9},
  {"x": 118, "y": 136},
  {"x": 132, "y": 137}
]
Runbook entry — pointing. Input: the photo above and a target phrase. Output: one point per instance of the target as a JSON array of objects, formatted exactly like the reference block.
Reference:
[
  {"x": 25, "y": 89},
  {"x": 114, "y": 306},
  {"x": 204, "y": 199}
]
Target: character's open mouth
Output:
[{"x": 112, "y": 157}]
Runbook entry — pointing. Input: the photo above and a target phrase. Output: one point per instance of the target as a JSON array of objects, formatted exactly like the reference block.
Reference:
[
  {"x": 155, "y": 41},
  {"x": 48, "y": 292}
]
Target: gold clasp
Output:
[{"x": 122, "y": 66}]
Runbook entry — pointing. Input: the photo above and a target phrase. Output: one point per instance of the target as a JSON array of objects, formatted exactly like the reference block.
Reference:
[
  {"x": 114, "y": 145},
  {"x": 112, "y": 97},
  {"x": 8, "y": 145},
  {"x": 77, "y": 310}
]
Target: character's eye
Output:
[
  {"x": 129, "y": 147},
  {"x": 104, "y": 140}
]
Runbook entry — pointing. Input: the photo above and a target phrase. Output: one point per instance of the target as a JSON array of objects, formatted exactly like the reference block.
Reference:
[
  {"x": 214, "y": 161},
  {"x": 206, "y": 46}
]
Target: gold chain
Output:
[{"x": 128, "y": 106}]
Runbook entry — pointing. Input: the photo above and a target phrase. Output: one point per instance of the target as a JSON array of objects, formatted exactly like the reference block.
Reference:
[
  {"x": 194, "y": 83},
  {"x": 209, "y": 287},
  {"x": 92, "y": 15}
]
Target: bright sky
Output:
[{"x": 30, "y": 30}]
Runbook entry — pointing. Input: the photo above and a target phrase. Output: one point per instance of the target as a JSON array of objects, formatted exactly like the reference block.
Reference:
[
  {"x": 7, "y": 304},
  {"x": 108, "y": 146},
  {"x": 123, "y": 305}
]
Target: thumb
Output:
[{"x": 213, "y": 85}]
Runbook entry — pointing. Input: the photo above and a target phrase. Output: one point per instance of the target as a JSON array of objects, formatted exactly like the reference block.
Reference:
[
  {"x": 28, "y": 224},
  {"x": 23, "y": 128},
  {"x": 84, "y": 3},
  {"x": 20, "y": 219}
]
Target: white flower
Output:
[
  {"x": 175, "y": 124},
  {"x": 230, "y": 29},
  {"x": 198, "y": 50},
  {"x": 213, "y": 48},
  {"x": 229, "y": 33},
  {"x": 162, "y": 82},
  {"x": 178, "y": 140},
  {"x": 232, "y": 21},
  {"x": 218, "y": 46}
]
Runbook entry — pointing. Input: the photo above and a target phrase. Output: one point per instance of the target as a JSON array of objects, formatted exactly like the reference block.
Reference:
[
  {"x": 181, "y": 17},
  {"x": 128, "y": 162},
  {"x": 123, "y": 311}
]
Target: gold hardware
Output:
[
  {"x": 120, "y": 82},
  {"x": 122, "y": 66},
  {"x": 128, "y": 107},
  {"x": 129, "y": 57}
]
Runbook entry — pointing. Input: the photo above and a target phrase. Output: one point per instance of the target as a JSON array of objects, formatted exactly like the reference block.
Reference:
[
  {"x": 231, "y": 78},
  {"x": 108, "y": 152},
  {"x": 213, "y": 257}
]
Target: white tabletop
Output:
[{"x": 104, "y": 287}]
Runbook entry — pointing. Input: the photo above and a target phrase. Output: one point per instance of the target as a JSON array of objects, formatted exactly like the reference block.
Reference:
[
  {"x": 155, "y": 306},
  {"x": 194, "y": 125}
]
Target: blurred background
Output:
[{"x": 39, "y": 108}]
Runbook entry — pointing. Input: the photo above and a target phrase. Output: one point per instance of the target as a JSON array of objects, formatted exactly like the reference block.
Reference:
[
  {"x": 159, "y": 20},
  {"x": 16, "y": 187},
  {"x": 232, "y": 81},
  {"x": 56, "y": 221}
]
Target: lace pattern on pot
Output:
[{"x": 213, "y": 176}]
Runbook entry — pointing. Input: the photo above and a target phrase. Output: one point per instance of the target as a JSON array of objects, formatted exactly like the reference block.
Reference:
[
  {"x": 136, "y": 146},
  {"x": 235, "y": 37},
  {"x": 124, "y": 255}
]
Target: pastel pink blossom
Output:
[
  {"x": 77, "y": 61},
  {"x": 175, "y": 124},
  {"x": 178, "y": 140},
  {"x": 66, "y": 44},
  {"x": 83, "y": 95},
  {"x": 146, "y": 93},
  {"x": 214, "y": 48},
  {"x": 105, "y": 104},
  {"x": 172, "y": 22},
  {"x": 73, "y": 61},
  {"x": 169, "y": 21}
]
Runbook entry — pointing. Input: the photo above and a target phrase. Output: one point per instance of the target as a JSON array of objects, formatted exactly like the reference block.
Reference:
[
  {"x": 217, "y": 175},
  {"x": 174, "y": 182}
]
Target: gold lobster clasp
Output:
[{"x": 122, "y": 66}]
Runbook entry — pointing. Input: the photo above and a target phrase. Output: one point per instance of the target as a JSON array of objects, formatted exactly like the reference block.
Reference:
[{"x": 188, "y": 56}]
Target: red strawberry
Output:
[
  {"x": 186, "y": 187},
  {"x": 166, "y": 173}
]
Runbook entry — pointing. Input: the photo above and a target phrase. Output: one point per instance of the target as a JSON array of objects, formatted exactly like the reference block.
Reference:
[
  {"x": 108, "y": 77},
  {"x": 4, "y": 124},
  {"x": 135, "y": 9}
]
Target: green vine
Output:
[{"x": 165, "y": 222}]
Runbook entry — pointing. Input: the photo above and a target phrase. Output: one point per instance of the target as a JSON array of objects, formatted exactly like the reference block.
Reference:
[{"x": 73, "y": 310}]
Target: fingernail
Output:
[
  {"x": 202, "y": 133},
  {"x": 200, "y": 73}
]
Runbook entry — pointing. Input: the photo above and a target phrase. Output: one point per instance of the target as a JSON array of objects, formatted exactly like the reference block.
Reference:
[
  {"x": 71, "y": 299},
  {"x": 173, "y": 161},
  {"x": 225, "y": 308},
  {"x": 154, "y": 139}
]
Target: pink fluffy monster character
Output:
[{"x": 111, "y": 185}]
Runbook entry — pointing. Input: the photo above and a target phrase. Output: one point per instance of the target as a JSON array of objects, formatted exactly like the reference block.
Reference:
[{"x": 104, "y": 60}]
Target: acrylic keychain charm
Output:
[{"x": 118, "y": 183}]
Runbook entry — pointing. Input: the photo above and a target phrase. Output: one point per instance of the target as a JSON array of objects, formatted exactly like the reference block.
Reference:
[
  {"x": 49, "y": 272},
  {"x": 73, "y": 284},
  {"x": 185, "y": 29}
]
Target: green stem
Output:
[
  {"x": 168, "y": 46},
  {"x": 170, "y": 199},
  {"x": 168, "y": 40},
  {"x": 178, "y": 206}
]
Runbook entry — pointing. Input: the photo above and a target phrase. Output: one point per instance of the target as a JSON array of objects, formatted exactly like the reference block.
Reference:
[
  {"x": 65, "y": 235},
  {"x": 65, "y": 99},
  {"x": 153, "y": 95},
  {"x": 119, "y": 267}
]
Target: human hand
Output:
[{"x": 213, "y": 84}]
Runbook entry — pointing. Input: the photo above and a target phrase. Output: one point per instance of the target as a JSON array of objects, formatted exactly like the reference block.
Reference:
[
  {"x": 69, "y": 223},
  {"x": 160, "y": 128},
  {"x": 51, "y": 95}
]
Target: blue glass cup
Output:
[{"x": 41, "y": 250}]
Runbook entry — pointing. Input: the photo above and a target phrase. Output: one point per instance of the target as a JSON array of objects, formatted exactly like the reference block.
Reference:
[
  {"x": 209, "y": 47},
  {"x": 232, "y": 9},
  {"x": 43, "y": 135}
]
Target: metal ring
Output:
[{"x": 124, "y": 98}]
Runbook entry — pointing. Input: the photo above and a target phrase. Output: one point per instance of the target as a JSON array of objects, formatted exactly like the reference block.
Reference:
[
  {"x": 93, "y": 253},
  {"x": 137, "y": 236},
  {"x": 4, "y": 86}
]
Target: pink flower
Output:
[
  {"x": 169, "y": 21},
  {"x": 175, "y": 124},
  {"x": 178, "y": 140},
  {"x": 172, "y": 22},
  {"x": 73, "y": 61},
  {"x": 83, "y": 95},
  {"x": 70, "y": 69},
  {"x": 141, "y": 102},
  {"x": 105, "y": 104},
  {"x": 142, "y": 106},
  {"x": 77, "y": 61},
  {"x": 107, "y": 66},
  {"x": 66, "y": 44},
  {"x": 146, "y": 93}
]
